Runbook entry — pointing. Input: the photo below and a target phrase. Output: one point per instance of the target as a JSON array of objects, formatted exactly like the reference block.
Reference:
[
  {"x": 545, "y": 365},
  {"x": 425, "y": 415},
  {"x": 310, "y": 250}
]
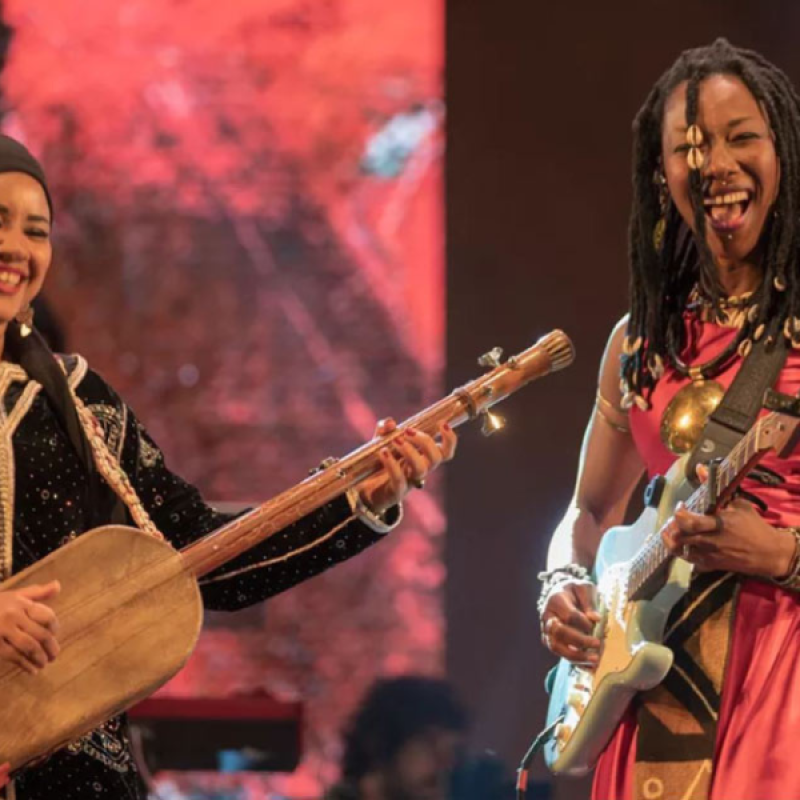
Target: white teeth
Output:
[
  {"x": 727, "y": 199},
  {"x": 11, "y": 278}
]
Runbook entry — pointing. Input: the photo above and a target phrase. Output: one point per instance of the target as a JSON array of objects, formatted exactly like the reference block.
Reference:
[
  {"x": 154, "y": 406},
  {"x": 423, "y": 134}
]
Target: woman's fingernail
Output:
[
  {"x": 446, "y": 426},
  {"x": 411, "y": 432}
]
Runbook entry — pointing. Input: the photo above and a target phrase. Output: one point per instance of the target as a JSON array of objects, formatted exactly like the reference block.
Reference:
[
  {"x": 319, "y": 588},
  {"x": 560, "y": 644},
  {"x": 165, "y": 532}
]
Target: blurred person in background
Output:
[{"x": 403, "y": 742}]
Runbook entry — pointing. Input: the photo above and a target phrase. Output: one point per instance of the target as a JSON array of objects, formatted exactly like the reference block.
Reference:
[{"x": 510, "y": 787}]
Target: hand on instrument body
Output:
[
  {"x": 406, "y": 463},
  {"x": 735, "y": 539},
  {"x": 28, "y": 626},
  {"x": 568, "y": 621}
]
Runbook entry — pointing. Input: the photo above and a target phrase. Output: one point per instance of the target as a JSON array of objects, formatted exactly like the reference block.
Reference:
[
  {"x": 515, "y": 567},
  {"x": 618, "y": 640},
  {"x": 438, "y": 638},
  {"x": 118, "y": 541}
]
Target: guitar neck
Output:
[
  {"x": 650, "y": 566},
  {"x": 551, "y": 353},
  {"x": 233, "y": 539}
]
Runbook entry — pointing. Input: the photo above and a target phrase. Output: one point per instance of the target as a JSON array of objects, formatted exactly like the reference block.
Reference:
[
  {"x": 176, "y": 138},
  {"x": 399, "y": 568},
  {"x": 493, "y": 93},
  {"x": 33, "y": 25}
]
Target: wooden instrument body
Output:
[
  {"x": 129, "y": 614},
  {"x": 632, "y": 659},
  {"x": 130, "y": 611}
]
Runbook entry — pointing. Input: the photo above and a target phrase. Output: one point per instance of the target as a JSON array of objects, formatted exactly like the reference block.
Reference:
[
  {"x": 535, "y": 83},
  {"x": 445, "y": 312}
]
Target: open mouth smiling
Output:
[
  {"x": 10, "y": 277},
  {"x": 726, "y": 211}
]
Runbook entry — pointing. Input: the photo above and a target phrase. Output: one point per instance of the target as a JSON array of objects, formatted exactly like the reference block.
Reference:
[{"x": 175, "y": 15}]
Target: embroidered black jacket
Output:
[{"x": 45, "y": 508}]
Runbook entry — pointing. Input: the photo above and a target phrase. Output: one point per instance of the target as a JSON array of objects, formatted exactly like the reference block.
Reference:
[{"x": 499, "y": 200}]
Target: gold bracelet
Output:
[{"x": 603, "y": 407}]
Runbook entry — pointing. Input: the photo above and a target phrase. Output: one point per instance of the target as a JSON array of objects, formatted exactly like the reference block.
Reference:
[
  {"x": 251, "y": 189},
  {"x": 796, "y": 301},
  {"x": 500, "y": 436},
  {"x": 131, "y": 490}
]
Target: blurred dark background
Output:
[{"x": 540, "y": 102}]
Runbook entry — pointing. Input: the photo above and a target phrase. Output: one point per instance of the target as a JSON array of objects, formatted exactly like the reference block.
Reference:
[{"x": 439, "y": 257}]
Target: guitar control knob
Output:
[
  {"x": 563, "y": 734},
  {"x": 583, "y": 679},
  {"x": 576, "y": 700}
]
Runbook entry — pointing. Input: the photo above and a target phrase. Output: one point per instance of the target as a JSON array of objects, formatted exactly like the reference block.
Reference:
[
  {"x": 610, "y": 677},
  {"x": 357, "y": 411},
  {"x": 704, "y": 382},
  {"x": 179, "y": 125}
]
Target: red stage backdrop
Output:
[{"x": 250, "y": 248}]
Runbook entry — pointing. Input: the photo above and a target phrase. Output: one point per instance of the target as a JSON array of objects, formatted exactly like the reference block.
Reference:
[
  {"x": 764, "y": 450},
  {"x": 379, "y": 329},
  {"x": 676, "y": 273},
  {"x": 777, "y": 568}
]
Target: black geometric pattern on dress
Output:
[
  {"x": 714, "y": 600},
  {"x": 686, "y": 681}
]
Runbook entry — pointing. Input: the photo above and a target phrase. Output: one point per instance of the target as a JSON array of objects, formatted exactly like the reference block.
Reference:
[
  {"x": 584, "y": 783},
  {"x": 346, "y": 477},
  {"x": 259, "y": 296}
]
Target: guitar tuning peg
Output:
[
  {"x": 492, "y": 358},
  {"x": 323, "y": 465},
  {"x": 492, "y": 423}
]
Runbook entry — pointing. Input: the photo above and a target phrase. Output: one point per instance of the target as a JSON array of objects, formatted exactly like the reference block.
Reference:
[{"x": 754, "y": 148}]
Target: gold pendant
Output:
[{"x": 686, "y": 415}]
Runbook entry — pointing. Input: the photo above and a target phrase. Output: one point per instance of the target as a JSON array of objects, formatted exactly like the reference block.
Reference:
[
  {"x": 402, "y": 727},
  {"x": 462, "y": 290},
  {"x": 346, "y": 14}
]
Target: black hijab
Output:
[
  {"x": 30, "y": 350},
  {"x": 15, "y": 157}
]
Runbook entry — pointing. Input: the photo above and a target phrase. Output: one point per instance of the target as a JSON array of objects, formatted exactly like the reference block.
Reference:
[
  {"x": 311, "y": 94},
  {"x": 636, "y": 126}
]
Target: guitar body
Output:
[
  {"x": 129, "y": 614},
  {"x": 632, "y": 659}
]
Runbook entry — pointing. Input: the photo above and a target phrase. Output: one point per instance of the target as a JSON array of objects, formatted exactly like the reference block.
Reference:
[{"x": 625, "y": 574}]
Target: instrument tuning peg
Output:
[
  {"x": 492, "y": 358},
  {"x": 492, "y": 423},
  {"x": 323, "y": 465}
]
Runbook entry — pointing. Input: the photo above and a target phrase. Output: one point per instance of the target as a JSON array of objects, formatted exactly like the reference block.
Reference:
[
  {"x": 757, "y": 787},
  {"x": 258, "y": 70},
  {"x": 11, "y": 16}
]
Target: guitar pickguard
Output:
[{"x": 632, "y": 659}]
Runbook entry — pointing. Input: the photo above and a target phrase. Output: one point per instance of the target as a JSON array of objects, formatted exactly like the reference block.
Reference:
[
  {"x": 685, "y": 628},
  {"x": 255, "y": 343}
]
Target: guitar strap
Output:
[
  {"x": 740, "y": 406},
  {"x": 677, "y": 721}
]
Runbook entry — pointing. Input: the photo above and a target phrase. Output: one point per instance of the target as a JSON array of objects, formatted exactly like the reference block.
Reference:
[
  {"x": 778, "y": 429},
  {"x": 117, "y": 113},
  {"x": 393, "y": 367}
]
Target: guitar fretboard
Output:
[{"x": 648, "y": 568}]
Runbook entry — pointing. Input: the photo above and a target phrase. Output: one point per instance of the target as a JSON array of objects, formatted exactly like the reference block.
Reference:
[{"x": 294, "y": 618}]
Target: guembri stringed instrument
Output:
[
  {"x": 638, "y": 583},
  {"x": 130, "y": 610}
]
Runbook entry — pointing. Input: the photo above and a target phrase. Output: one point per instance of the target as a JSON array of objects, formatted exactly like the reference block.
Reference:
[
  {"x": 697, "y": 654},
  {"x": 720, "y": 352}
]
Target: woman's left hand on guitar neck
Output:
[
  {"x": 406, "y": 464},
  {"x": 735, "y": 539}
]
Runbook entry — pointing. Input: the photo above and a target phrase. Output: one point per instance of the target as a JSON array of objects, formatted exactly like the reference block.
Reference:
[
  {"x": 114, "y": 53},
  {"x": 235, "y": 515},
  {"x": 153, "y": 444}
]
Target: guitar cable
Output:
[{"x": 538, "y": 743}]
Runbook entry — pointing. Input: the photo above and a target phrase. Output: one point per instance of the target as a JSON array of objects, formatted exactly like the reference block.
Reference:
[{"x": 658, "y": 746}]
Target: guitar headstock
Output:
[
  {"x": 779, "y": 432},
  {"x": 786, "y": 408}
]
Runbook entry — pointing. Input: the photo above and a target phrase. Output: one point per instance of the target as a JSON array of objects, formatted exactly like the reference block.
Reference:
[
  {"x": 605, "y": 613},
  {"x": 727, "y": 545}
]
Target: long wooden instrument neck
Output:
[{"x": 552, "y": 352}]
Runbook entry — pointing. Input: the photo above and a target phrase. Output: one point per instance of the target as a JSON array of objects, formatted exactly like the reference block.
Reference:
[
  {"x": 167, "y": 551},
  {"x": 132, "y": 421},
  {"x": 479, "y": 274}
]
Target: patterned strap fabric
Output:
[
  {"x": 112, "y": 472},
  {"x": 678, "y": 719},
  {"x": 741, "y": 405}
]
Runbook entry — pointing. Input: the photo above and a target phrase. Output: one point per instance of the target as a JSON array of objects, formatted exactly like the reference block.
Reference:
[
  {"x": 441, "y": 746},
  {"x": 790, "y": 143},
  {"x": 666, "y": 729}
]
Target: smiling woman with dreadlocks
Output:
[{"x": 714, "y": 245}]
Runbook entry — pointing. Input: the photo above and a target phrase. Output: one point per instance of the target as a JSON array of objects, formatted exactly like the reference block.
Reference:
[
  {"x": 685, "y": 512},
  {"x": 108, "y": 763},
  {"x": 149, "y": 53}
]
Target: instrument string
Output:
[{"x": 654, "y": 554}]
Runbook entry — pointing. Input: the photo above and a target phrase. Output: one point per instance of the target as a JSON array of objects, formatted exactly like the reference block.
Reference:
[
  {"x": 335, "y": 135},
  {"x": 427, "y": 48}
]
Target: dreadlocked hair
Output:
[{"x": 667, "y": 261}]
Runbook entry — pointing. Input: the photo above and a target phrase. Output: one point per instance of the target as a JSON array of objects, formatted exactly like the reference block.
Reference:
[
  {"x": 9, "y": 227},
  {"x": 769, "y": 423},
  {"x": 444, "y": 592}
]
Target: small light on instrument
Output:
[{"x": 492, "y": 423}]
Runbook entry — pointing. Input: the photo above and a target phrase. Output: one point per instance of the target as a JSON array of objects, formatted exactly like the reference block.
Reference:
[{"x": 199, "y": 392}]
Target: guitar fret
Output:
[
  {"x": 653, "y": 554},
  {"x": 729, "y": 473}
]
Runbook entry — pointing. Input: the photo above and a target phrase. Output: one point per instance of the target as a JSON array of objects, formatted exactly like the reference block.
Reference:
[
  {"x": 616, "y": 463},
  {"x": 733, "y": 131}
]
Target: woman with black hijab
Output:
[{"x": 51, "y": 490}]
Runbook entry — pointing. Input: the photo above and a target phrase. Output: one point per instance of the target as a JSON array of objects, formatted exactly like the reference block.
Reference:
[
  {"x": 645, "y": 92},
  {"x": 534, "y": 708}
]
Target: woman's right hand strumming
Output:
[
  {"x": 568, "y": 621},
  {"x": 28, "y": 627},
  {"x": 609, "y": 470}
]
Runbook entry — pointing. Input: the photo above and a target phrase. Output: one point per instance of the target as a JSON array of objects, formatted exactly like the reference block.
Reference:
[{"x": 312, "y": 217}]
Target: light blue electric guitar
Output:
[{"x": 638, "y": 583}]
